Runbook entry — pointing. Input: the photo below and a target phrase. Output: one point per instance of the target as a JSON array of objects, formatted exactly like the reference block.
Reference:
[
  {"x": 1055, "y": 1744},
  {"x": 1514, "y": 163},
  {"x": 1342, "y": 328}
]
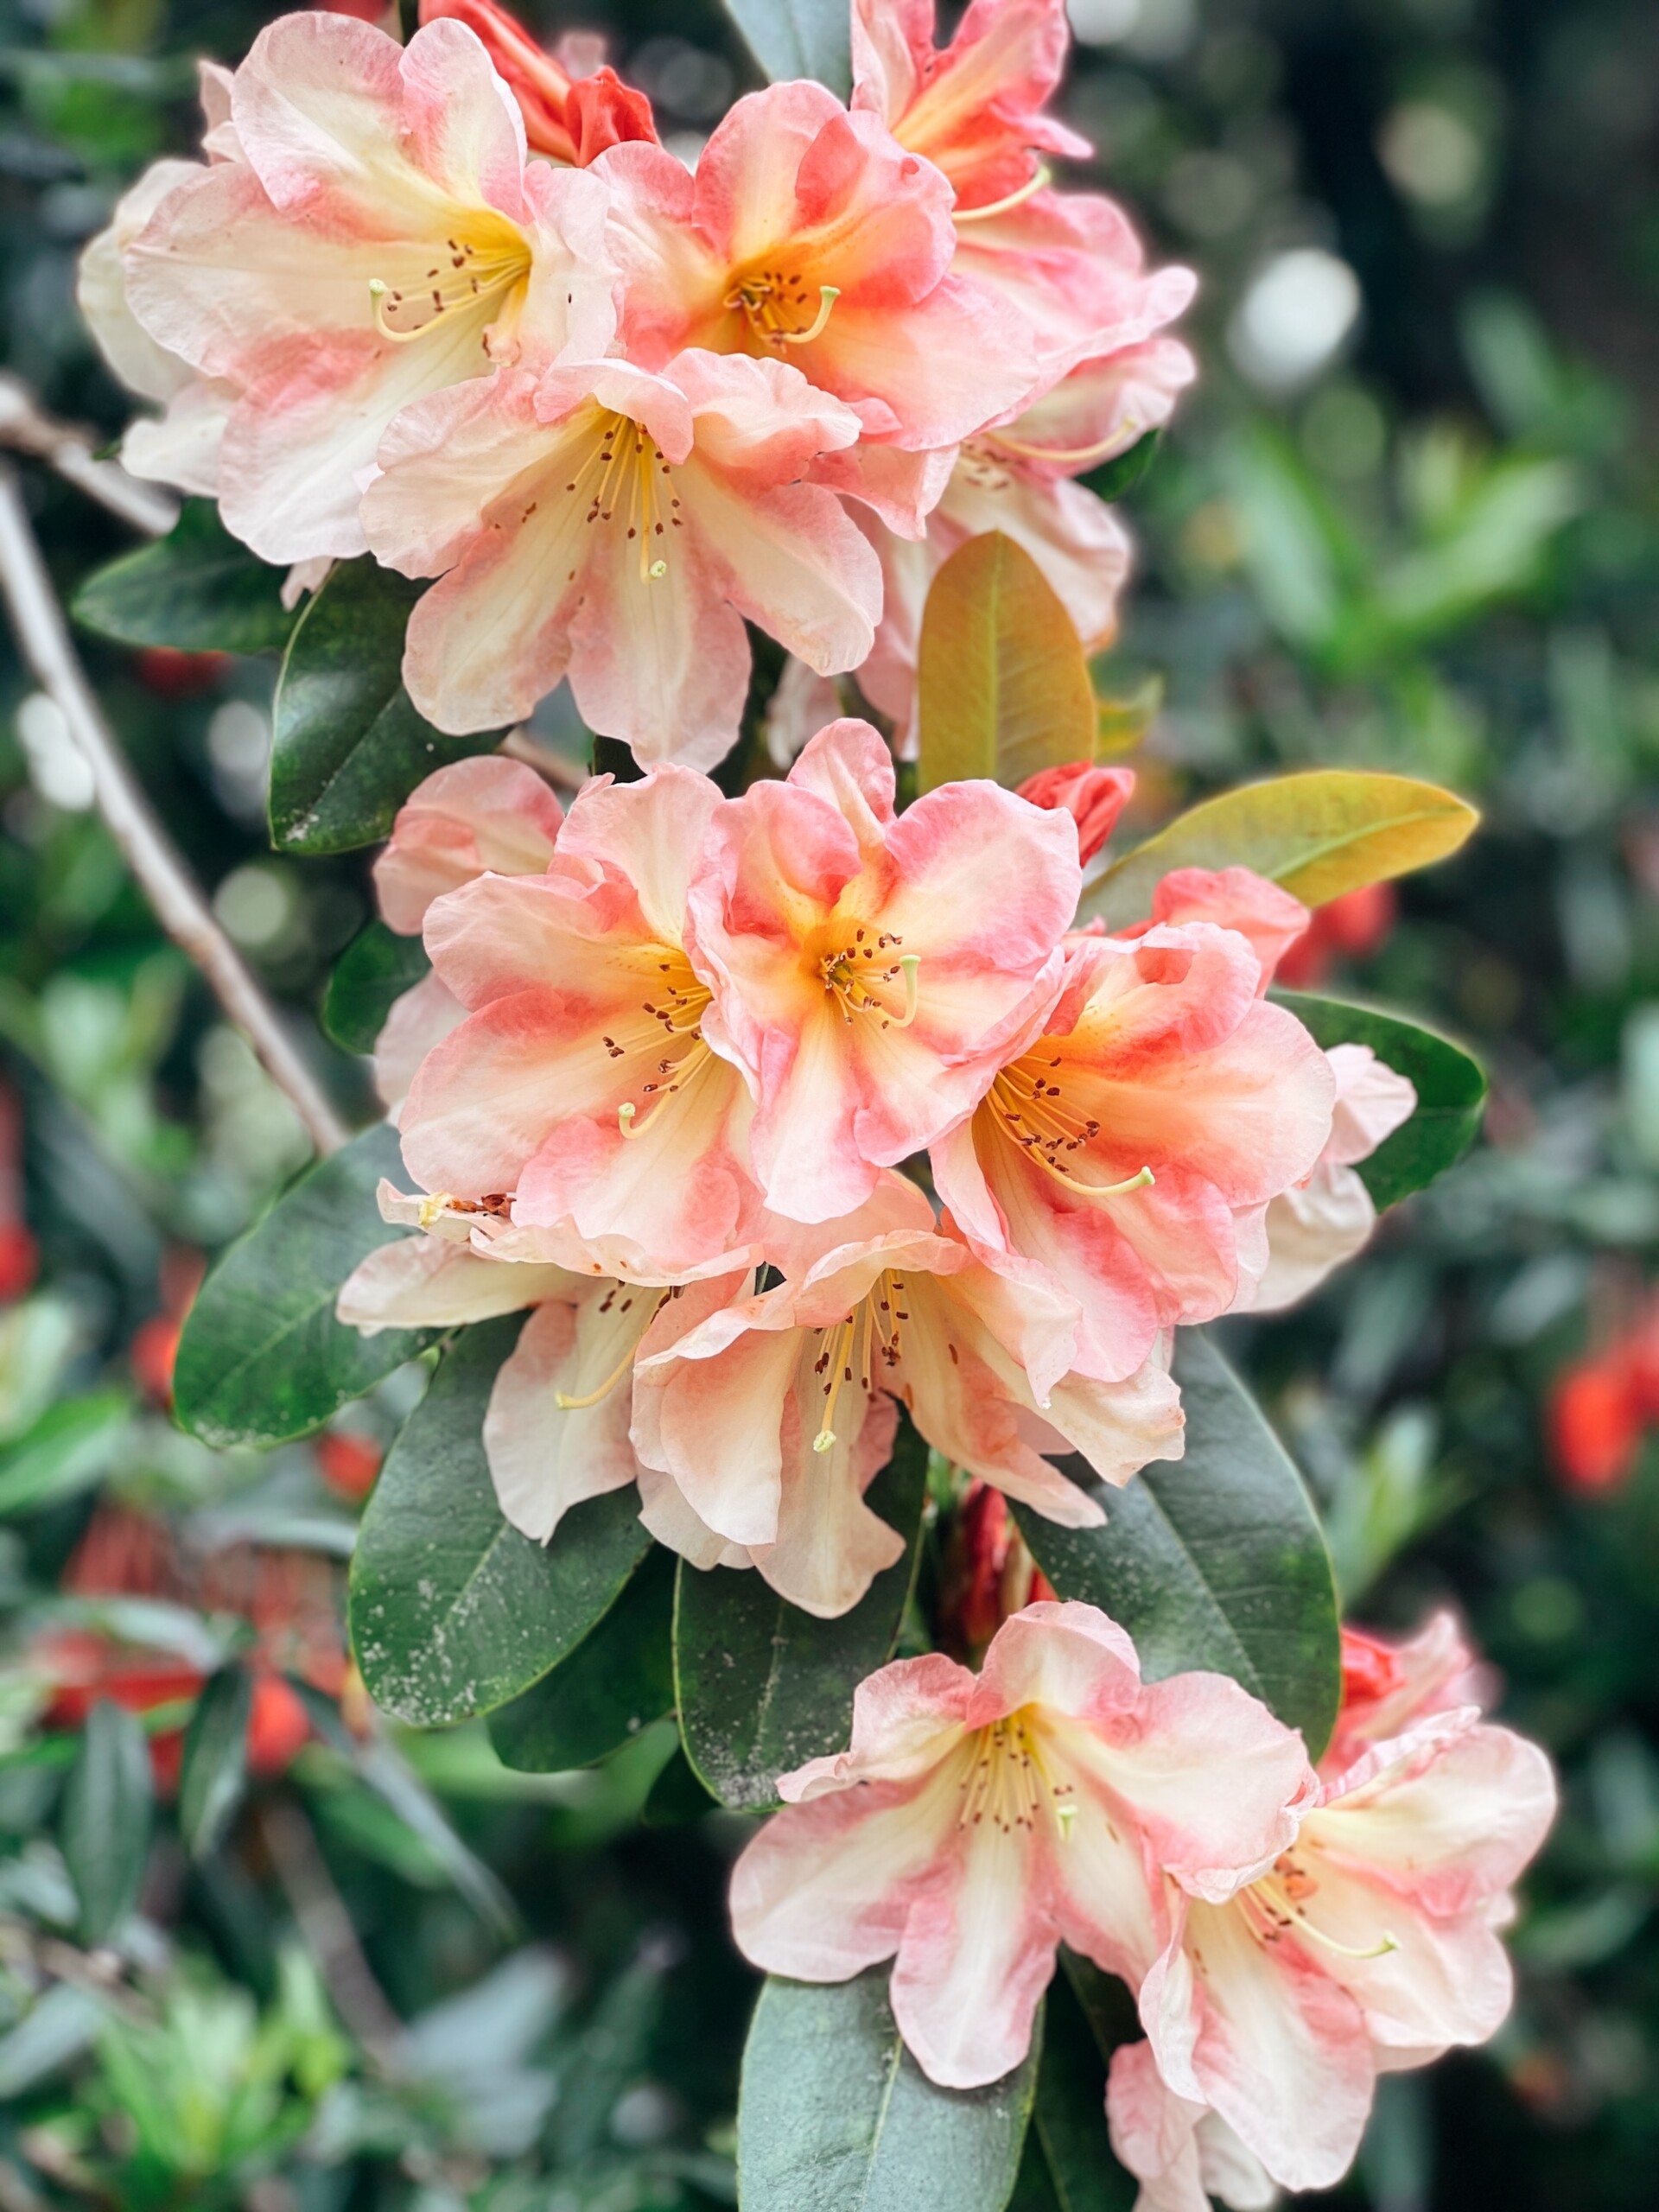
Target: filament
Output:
[
  {"x": 1067, "y": 456},
  {"x": 1044, "y": 176}
]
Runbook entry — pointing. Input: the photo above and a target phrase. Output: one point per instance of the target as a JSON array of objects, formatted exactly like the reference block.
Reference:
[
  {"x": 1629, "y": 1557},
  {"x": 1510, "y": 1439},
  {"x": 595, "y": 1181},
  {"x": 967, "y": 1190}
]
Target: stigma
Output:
[
  {"x": 624, "y": 483},
  {"x": 852, "y": 1353}
]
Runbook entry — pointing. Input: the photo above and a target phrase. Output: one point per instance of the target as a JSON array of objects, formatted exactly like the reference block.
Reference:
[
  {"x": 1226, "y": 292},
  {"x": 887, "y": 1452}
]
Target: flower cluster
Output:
[
  {"x": 454, "y": 305},
  {"x": 673, "y": 1054},
  {"x": 1289, "y": 1932}
]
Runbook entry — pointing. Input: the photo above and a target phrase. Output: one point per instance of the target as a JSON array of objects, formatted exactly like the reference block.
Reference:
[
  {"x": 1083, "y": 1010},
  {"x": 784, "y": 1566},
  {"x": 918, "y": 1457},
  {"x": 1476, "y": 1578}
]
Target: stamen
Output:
[
  {"x": 910, "y": 962},
  {"x": 1044, "y": 177},
  {"x": 569, "y": 1404},
  {"x": 1067, "y": 456},
  {"x": 434, "y": 1208}
]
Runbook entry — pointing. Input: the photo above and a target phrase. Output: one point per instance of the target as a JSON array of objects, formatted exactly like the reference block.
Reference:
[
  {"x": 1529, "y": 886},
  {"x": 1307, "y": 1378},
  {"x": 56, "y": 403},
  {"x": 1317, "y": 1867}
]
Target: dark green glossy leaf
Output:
[
  {"x": 1068, "y": 2163},
  {"x": 1123, "y": 472},
  {"x": 198, "y": 588},
  {"x": 798, "y": 38},
  {"x": 347, "y": 747},
  {"x": 262, "y": 1356},
  {"x": 835, "y": 2115},
  {"x": 762, "y": 1686},
  {"x": 452, "y": 1611},
  {"x": 676, "y": 1797},
  {"x": 1214, "y": 1561},
  {"x": 1451, "y": 1092},
  {"x": 103, "y": 1826},
  {"x": 619, "y": 1678},
  {"x": 376, "y": 968},
  {"x": 215, "y": 1772}
]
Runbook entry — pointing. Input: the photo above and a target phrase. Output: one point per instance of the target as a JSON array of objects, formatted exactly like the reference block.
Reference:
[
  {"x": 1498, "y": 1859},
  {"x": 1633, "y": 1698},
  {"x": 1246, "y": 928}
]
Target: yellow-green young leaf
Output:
[
  {"x": 1119, "y": 724},
  {"x": 1318, "y": 834},
  {"x": 1003, "y": 686}
]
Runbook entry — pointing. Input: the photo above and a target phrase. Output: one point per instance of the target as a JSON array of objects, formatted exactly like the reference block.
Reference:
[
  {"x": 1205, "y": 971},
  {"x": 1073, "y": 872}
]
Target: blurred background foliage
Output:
[{"x": 1407, "y": 521}]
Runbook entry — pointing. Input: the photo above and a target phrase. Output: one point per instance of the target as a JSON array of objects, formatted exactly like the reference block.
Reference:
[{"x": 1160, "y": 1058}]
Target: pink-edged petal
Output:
[
  {"x": 1312, "y": 1228},
  {"x": 485, "y": 814},
  {"x": 546, "y": 1458},
  {"x": 906, "y": 1717},
  {"x": 824, "y": 1890},
  {"x": 420, "y": 1018},
  {"x": 1234, "y": 899},
  {"x": 1268, "y": 2039},
  {"x": 830, "y": 1547},
  {"x": 421, "y": 1282},
  {"x": 664, "y": 1510},
  {"x": 1372, "y": 1103},
  {"x": 976, "y": 1955}
]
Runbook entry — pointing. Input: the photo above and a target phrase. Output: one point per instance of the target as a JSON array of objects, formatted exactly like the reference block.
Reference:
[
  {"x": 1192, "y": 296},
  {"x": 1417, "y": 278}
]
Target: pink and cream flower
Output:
[
  {"x": 977, "y": 1822},
  {"x": 808, "y": 234},
  {"x": 775, "y": 1414},
  {"x": 1017, "y": 478},
  {"x": 1125, "y": 1148},
  {"x": 1369, "y": 1944},
  {"x": 557, "y": 1428},
  {"x": 870, "y": 970},
  {"x": 614, "y": 527},
  {"x": 581, "y": 1084},
  {"x": 486, "y": 815},
  {"x": 380, "y": 237}
]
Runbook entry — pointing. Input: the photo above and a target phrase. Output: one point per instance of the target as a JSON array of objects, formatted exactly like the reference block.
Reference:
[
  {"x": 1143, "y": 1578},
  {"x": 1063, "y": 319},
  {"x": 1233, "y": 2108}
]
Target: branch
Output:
[
  {"x": 326, "y": 1926},
  {"x": 149, "y": 851},
  {"x": 27, "y": 427}
]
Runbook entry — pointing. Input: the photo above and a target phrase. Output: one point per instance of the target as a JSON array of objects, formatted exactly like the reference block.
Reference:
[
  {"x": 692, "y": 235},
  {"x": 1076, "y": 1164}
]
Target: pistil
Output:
[
  {"x": 1030, "y": 1109},
  {"x": 461, "y": 277},
  {"x": 772, "y": 300}
]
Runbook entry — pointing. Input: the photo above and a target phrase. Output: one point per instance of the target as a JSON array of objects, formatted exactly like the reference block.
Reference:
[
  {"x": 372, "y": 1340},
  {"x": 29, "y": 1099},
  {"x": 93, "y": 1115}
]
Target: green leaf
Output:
[
  {"x": 1451, "y": 1092},
  {"x": 676, "y": 1797},
  {"x": 1002, "y": 679},
  {"x": 835, "y": 2115},
  {"x": 619, "y": 1678},
  {"x": 198, "y": 589},
  {"x": 347, "y": 747},
  {"x": 1214, "y": 1561},
  {"x": 104, "y": 1825},
  {"x": 1123, "y": 472},
  {"x": 215, "y": 1772},
  {"x": 761, "y": 1686},
  {"x": 67, "y": 1450},
  {"x": 1069, "y": 2161},
  {"x": 1318, "y": 833},
  {"x": 376, "y": 968},
  {"x": 262, "y": 1357},
  {"x": 452, "y": 1611},
  {"x": 798, "y": 38}
]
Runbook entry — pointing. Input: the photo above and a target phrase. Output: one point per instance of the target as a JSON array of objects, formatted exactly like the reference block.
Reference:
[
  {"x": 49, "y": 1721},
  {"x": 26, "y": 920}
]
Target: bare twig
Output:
[
  {"x": 329, "y": 1936},
  {"x": 27, "y": 427},
  {"x": 150, "y": 853}
]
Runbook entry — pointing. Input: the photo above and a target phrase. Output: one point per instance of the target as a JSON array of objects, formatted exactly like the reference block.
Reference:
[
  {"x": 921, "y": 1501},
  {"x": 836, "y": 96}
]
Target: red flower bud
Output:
[{"x": 1093, "y": 796}]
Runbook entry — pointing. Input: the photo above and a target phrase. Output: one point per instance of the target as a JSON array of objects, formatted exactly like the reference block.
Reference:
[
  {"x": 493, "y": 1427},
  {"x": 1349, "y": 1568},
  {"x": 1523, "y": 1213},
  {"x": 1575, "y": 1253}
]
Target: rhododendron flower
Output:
[
  {"x": 974, "y": 108},
  {"x": 1351, "y": 926},
  {"x": 774, "y": 1415},
  {"x": 1369, "y": 1944},
  {"x": 478, "y": 817},
  {"x": 182, "y": 447},
  {"x": 1122, "y": 1148},
  {"x": 582, "y": 1084},
  {"x": 1318, "y": 1222},
  {"x": 1093, "y": 796},
  {"x": 379, "y": 238},
  {"x": 572, "y": 112},
  {"x": 870, "y": 970},
  {"x": 1387, "y": 1686},
  {"x": 808, "y": 234},
  {"x": 978, "y": 1822},
  {"x": 1016, "y": 479},
  {"x": 615, "y": 527}
]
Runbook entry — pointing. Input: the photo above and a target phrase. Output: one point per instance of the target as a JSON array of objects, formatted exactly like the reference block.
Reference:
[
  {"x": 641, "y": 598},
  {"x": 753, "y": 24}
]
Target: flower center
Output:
[
  {"x": 1277, "y": 1904},
  {"x": 855, "y": 1350},
  {"x": 1008, "y": 1783},
  {"x": 625, "y": 1313},
  {"x": 780, "y": 306},
  {"x": 626, "y": 482},
  {"x": 1030, "y": 1108},
  {"x": 853, "y": 977},
  {"x": 661, "y": 1040},
  {"x": 462, "y": 273}
]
